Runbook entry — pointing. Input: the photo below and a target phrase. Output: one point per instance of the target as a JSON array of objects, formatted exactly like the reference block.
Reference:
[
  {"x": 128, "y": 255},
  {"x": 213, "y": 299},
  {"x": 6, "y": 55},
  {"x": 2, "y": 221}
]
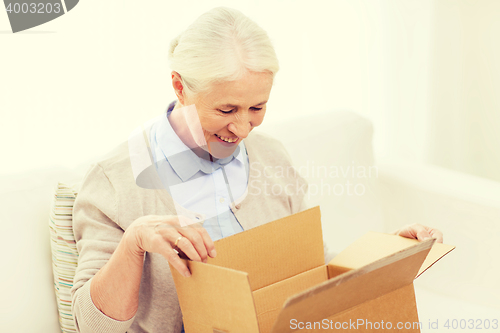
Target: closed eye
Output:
[
  {"x": 232, "y": 110},
  {"x": 226, "y": 111}
]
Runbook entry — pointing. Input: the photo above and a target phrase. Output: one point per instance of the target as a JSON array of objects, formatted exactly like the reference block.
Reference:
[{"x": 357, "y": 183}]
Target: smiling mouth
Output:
[{"x": 229, "y": 140}]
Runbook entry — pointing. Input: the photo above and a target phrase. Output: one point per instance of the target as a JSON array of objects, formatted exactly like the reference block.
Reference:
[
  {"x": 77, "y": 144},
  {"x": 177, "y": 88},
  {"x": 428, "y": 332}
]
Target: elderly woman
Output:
[{"x": 129, "y": 224}]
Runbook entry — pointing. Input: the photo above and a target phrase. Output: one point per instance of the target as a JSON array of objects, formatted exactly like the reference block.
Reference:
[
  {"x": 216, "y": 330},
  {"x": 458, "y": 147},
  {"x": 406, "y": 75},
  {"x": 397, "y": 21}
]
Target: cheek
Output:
[
  {"x": 213, "y": 125},
  {"x": 258, "y": 118}
]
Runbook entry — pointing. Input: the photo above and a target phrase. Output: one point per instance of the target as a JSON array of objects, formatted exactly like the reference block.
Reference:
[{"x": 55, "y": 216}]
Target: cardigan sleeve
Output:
[{"x": 97, "y": 236}]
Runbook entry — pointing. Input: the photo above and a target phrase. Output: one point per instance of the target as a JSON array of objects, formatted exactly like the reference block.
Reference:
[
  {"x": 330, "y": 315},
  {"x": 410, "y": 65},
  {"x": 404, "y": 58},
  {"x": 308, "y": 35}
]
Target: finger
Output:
[
  {"x": 407, "y": 231},
  {"x": 171, "y": 234},
  {"x": 207, "y": 240},
  {"x": 415, "y": 231},
  {"x": 164, "y": 248},
  {"x": 179, "y": 264},
  {"x": 196, "y": 241},
  {"x": 438, "y": 235},
  {"x": 185, "y": 245},
  {"x": 189, "y": 231},
  {"x": 422, "y": 234}
]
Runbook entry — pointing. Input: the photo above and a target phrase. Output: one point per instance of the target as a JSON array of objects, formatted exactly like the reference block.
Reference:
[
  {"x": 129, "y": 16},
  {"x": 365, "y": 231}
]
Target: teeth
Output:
[{"x": 227, "y": 139}]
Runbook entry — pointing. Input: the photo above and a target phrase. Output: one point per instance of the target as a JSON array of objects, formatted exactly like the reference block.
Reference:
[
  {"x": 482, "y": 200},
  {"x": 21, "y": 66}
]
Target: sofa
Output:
[{"x": 334, "y": 152}]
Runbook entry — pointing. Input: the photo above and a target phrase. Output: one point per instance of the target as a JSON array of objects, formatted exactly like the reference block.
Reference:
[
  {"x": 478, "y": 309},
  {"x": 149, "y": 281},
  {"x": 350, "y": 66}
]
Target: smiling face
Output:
[{"x": 223, "y": 115}]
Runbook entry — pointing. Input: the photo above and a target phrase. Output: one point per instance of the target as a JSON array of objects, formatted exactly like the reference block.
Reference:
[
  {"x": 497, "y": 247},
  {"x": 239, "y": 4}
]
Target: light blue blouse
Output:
[{"x": 197, "y": 184}]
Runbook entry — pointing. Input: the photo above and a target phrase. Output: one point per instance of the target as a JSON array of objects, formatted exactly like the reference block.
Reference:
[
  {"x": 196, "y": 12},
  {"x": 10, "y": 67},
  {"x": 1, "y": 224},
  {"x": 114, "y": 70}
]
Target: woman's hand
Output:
[
  {"x": 159, "y": 234},
  {"x": 420, "y": 232}
]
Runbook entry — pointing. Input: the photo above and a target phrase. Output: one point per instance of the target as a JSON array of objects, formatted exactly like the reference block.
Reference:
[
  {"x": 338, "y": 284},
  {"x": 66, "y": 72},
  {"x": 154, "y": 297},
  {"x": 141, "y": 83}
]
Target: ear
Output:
[{"x": 178, "y": 87}]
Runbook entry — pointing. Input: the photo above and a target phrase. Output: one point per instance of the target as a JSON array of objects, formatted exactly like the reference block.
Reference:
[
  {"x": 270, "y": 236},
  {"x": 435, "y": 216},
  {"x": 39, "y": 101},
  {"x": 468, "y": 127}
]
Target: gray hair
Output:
[{"x": 220, "y": 46}]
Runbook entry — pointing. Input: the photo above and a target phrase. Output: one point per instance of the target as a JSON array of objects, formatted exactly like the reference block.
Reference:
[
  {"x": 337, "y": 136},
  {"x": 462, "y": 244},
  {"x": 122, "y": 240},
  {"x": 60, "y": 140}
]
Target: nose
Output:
[{"x": 241, "y": 126}]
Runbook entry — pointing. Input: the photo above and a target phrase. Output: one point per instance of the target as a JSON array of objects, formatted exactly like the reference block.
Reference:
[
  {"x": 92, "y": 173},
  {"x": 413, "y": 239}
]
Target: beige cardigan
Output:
[{"x": 109, "y": 201}]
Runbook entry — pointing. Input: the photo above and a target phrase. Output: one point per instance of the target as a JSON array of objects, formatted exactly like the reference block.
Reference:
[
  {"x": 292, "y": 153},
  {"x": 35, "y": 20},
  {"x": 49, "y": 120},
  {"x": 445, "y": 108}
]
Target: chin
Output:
[{"x": 219, "y": 151}]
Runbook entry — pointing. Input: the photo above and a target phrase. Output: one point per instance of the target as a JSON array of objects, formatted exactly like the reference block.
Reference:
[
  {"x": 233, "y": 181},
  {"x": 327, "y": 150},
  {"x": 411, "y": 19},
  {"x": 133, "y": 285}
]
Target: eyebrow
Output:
[{"x": 236, "y": 106}]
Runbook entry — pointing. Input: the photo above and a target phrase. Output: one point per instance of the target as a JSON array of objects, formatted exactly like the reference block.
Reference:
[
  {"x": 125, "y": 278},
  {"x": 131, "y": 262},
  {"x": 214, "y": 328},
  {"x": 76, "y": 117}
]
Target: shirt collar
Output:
[{"x": 181, "y": 158}]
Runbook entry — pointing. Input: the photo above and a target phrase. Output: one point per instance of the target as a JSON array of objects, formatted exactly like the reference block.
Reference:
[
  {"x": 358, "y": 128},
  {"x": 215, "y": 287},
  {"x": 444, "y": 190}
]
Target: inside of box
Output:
[
  {"x": 270, "y": 299},
  {"x": 262, "y": 277},
  {"x": 274, "y": 251},
  {"x": 374, "y": 246},
  {"x": 354, "y": 287}
]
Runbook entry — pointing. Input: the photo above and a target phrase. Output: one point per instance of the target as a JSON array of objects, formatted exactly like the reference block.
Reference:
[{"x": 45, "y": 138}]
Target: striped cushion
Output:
[{"x": 64, "y": 253}]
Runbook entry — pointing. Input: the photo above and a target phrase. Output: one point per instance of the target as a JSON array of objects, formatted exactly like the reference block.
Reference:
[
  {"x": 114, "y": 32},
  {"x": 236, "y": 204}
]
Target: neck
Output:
[{"x": 180, "y": 127}]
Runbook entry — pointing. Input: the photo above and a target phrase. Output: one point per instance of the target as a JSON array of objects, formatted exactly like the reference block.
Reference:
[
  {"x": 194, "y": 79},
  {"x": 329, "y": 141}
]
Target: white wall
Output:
[
  {"x": 464, "y": 129},
  {"x": 75, "y": 87}
]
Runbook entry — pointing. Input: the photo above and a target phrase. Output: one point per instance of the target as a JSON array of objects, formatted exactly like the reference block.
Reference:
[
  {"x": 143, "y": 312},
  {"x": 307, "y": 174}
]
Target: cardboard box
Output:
[{"x": 273, "y": 278}]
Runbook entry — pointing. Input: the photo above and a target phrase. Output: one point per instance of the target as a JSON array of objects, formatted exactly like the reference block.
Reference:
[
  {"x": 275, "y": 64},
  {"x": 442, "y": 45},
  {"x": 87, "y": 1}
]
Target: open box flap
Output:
[
  {"x": 373, "y": 246},
  {"x": 437, "y": 251},
  {"x": 269, "y": 300},
  {"x": 216, "y": 296},
  {"x": 276, "y": 250},
  {"x": 355, "y": 287}
]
